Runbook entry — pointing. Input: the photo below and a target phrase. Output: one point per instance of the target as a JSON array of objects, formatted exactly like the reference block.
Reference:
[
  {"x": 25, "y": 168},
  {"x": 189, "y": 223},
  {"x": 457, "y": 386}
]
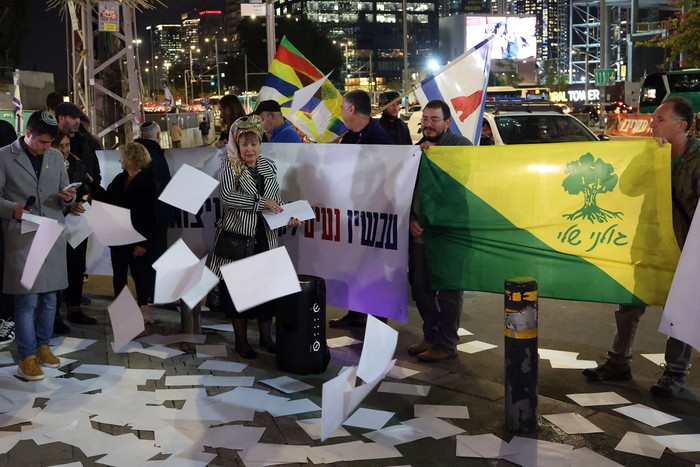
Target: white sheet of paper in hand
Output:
[
  {"x": 300, "y": 209},
  {"x": 78, "y": 227},
  {"x": 188, "y": 189},
  {"x": 43, "y": 241},
  {"x": 112, "y": 225},
  {"x": 30, "y": 223},
  {"x": 268, "y": 275},
  {"x": 126, "y": 319},
  {"x": 377, "y": 350}
]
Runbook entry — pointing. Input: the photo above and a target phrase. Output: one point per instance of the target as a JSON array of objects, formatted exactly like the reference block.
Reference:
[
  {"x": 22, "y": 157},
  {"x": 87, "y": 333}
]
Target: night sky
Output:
[{"x": 44, "y": 49}]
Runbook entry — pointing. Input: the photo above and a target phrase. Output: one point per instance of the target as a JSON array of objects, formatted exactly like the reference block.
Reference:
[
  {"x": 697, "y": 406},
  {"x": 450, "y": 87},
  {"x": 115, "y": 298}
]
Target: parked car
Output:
[{"x": 525, "y": 127}]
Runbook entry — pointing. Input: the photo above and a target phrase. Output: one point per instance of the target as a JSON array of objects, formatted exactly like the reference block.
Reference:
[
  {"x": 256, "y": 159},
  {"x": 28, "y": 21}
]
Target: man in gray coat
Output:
[{"x": 33, "y": 179}]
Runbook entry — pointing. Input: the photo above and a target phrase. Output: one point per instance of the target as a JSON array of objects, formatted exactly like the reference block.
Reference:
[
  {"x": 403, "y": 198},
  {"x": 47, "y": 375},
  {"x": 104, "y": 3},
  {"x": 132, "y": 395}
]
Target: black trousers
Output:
[
  {"x": 75, "y": 262},
  {"x": 123, "y": 261}
]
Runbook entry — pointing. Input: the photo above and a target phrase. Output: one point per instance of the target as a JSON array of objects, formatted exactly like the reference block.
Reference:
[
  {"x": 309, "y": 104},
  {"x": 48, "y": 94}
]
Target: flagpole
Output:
[{"x": 17, "y": 101}]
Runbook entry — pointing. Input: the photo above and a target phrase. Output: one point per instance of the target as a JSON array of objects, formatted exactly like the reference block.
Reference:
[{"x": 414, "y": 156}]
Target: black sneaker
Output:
[
  {"x": 7, "y": 331},
  {"x": 78, "y": 317},
  {"x": 59, "y": 327},
  {"x": 610, "y": 370},
  {"x": 669, "y": 385}
]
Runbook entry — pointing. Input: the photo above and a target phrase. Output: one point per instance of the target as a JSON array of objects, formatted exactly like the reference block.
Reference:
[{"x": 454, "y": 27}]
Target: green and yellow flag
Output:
[{"x": 589, "y": 221}]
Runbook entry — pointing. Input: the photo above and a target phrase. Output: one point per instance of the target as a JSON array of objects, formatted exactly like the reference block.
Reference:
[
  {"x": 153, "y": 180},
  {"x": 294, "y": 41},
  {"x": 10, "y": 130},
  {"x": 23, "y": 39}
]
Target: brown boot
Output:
[{"x": 419, "y": 347}]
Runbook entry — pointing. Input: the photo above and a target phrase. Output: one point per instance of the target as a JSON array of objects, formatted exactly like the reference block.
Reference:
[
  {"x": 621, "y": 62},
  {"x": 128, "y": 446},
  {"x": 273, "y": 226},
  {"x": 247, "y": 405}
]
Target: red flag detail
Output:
[{"x": 467, "y": 104}]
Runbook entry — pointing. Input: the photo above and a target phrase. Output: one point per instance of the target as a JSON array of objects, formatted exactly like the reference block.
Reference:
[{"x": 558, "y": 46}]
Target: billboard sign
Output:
[{"x": 514, "y": 35}]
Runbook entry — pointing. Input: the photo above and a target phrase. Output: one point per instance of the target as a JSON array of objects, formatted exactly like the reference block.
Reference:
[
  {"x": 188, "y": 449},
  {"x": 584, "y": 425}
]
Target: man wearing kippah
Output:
[{"x": 33, "y": 179}]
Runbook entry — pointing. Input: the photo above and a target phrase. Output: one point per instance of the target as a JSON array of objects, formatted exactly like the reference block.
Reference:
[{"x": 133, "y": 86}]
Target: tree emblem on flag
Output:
[{"x": 591, "y": 177}]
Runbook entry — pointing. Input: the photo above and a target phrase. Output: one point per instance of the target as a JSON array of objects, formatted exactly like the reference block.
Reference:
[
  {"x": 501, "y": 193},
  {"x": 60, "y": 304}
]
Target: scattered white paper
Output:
[
  {"x": 30, "y": 223},
  {"x": 300, "y": 209},
  {"x": 488, "y": 446},
  {"x": 333, "y": 401},
  {"x": 212, "y": 351},
  {"x": 342, "y": 341},
  {"x": 269, "y": 275},
  {"x": 112, "y": 225},
  {"x": 644, "y": 414},
  {"x": 638, "y": 443},
  {"x": 78, "y": 227},
  {"x": 573, "y": 423},
  {"x": 546, "y": 354},
  {"x": 64, "y": 344},
  {"x": 475, "y": 346},
  {"x": 434, "y": 427},
  {"x": 218, "y": 365},
  {"x": 569, "y": 364},
  {"x": 126, "y": 318},
  {"x": 312, "y": 427},
  {"x": 396, "y": 434},
  {"x": 378, "y": 349},
  {"x": 158, "y": 351},
  {"x": 463, "y": 332},
  {"x": 680, "y": 443},
  {"x": 177, "y": 270},
  {"x": 287, "y": 385},
  {"x": 46, "y": 236},
  {"x": 194, "y": 295},
  {"x": 534, "y": 452},
  {"x": 398, "y": 372},
  {"x": 6, "y": 359},
  {"x": 441, "y": 411},
  {"x": 188, "y": 189},
  {"x": 584, "y": 457},
  {"x": 655, "y": 358},
  {"x": 369, "y": 418},
  {"x": 228, "y": 327},
  {"x": 278, "y": 453},
  {"x": 597, "y": 398},
  {"x": 402, "y": 388}
]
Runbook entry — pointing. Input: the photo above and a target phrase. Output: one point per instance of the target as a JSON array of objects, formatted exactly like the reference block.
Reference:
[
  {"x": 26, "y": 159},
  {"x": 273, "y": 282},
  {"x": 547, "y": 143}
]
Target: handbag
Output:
[{"x": 233, "y": 246}]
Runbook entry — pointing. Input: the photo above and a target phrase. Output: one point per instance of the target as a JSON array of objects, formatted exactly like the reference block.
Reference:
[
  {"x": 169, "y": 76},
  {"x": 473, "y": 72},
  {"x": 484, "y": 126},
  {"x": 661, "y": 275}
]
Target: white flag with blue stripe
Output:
[
  {"x": 17, "y": 101},
  {"x": 169, "y": 96},
  {"x": 462, "y": 85}
]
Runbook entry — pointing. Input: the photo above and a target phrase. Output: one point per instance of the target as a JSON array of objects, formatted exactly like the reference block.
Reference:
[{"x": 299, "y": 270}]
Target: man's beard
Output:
[{"x": 432, "y": 139}]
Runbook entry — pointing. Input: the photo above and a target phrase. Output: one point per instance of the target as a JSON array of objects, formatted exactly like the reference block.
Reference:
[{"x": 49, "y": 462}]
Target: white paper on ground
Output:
[
  {"x": 463, "y": 332},
  {"x": 568, "y": 364},
  {"x": 78, "y": 227},
  {"x": 546, "y": 354},
  {"x": 282, "y": 453},
  {"x": 188, "y": 189},
  {"x": 286, "y": 384},
  {"x": 638, "y": 443},
  {"x": 125, "y": 317},
  {"x": 398, "y": 372},
  {"x": 369, "y": 418},
  {"x": 475, "y": 346},
  {"x": 283, "y": 408},
  {"x": 434, "y": 427},
  {"x": 587, "y": 399},
  {"x": 112, "y": 225},
  {"x": 312, "y": 427},
  {"x": 269, "y": 275},
  {"x": 377, "y": 351},
  {"x": 342, "y": 341},
  {"x": 211, "y": 351},
  {"x": 128, "y": 347},
  {"x": 402, "y": 388},
  {"x": 219, "y": 327},
  {"x": 6, "y": 359},
  {"x": 218, "y": 365},
  {"x": 441, "y": 411},
  {"x": 534, "y": 452},
  {"x": 395, "y": 434},
  {"x": 352, "y": 451},
  {"x": 655, "y": 358},
  {"x": 44, "y": 239},
  {"x": 64, "y": 344},
  {"x": 158, "y": 351},
  {"x": 573, "y": 423},
  {"x": 300, "y": 209},
  {"x": 644, "y": 414},
  {"x": 680, "y": 443},
  {"x": 488, "y": 445},
  {"x": 584, "y": 457}
]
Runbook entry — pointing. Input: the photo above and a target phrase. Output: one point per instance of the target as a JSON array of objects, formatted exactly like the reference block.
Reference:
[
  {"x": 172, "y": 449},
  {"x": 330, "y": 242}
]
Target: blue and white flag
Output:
[
  {"x": 462, "y": 85},
  {"x": 17, "y": 101},
  {"x": 169, "y": 96}
]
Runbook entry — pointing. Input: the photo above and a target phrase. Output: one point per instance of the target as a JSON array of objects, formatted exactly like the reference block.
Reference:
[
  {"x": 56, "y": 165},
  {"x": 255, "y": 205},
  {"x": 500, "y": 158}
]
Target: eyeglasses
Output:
[{"x": 431, "y": 119}]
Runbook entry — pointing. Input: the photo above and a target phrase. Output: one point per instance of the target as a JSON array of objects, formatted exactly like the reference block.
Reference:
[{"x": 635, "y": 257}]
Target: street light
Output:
[
  {"x": 191, "y": 71},
  {"x": 218, "y": 73}
]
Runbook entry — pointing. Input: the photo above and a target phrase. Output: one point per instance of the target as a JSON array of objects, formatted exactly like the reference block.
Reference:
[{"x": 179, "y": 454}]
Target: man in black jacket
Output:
[{"x": 390, "y": 120}]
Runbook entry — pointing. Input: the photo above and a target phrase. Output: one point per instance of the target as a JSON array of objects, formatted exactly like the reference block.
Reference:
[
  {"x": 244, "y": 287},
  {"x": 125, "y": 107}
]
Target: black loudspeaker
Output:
[{"x": 301, "y": 329}]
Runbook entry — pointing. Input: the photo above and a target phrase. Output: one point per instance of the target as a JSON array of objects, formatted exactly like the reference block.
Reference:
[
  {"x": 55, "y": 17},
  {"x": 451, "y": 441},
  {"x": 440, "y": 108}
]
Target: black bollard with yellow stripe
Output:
[{"x": 520, "y": 330}]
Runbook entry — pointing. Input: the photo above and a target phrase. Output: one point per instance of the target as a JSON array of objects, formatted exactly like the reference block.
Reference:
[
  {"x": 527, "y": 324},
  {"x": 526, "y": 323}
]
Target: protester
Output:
[
  {"x": 135, "y": 189},
  {"x": 204, "y": 128},
  {"x": 230, "y": 110},
  {"x": 390, "y": 120},
  {"x": 22, "y": 165},
  {"x": 439, "y": 309},
  {"x": 670, "y": 124},
  {"x": 52, "y": 100},
  {"x": 75, "y": 257},
  {"x": 165, "y": 213},
  {"x": 176, "y": 134},
  {"x": 356, "y": 111},
  {"x": 82, "y": 143},
  {"x": 486, "y": 138},
  {"x": 248, "y": 186},
  {"x": 277, "y": 128},
  {"x": 8, "y": 135}
]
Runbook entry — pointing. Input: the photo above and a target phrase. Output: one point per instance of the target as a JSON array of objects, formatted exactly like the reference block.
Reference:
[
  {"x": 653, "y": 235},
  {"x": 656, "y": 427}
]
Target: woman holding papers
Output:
[
  {"x": 136, "y": 190},
  {"x": 248, "y": 187}
]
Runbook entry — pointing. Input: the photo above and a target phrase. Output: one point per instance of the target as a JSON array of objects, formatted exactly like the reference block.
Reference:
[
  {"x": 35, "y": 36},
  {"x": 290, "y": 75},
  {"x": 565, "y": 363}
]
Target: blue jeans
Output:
[{"x": 34, "y": 316}]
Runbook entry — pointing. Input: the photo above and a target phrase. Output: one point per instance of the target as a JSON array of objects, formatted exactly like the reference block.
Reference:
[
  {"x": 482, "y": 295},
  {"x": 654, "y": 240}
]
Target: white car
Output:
[{"x": 524, "y": 127}]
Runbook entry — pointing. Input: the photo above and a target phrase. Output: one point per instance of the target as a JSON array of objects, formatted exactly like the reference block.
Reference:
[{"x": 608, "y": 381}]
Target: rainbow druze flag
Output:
[
  {"x": 589, "y": 221},
  {"x": 290, "y": 71}
]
